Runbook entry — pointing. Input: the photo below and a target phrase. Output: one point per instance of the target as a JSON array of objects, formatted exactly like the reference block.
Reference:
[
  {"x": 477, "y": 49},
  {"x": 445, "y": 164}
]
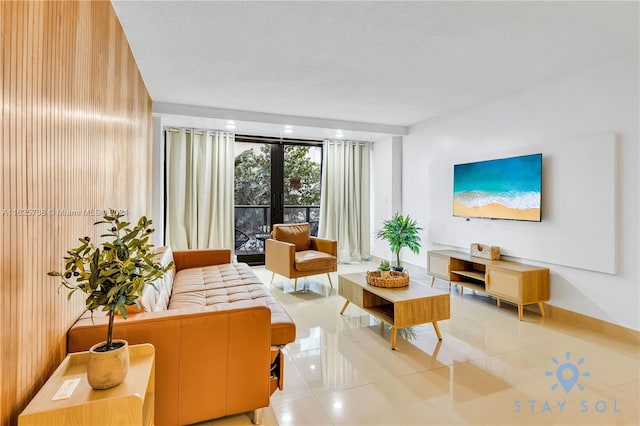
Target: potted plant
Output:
[
  {"x": 113, "y": 275},
  {"x": 400, "y": 231},
  {"x": 384, "y": 268}
]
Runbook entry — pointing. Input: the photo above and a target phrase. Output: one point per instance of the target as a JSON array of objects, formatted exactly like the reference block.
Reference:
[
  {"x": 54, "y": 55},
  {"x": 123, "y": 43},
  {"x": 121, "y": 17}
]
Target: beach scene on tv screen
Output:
[{"x": 507, "y": 188}]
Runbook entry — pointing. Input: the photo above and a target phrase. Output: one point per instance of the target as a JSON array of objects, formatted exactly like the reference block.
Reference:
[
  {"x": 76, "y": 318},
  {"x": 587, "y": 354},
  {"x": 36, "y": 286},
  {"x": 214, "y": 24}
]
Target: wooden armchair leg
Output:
[
  {"x": 295, "y": 285},
  {"x": 273, "y": 275},
  {"x": 331, "y": 284}
]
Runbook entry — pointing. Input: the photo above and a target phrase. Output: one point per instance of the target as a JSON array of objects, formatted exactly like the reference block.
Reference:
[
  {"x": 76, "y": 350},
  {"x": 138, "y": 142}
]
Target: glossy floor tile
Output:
[{"x": 489, "y": 369}]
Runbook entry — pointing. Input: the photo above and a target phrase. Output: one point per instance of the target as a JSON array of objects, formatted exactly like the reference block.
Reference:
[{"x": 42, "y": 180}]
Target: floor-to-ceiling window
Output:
[{"x": 276, "y": 181}]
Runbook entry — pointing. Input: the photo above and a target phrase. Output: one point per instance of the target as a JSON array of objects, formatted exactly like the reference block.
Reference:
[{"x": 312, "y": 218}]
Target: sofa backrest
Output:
[
  {"x": 157, "y": 299},
  {"x": 298, "y": 234}
]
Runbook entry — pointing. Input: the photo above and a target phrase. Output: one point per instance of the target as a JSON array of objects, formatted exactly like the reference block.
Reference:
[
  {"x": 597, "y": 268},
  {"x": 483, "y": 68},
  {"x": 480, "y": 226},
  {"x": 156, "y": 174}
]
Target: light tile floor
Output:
[{"x": 489, "y": 369}]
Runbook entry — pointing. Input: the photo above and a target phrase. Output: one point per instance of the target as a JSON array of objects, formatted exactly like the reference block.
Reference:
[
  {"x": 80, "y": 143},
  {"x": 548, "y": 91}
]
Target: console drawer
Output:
[
  {"x": 439, "y": 266},
  {"x": 504, "y": 284}
]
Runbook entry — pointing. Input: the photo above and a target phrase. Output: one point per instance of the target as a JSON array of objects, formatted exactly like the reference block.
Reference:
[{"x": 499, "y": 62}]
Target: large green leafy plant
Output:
[
  {"x": 114, "y": 273},
  {"x": 400, "y": 231}
]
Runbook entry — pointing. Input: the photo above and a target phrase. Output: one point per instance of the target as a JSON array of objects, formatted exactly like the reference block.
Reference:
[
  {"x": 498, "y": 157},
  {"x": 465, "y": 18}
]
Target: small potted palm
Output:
[
  {"x": 384, "y": 268},
  {"x": 113, "y": 275},
  {"x": 400, "y": 231}
]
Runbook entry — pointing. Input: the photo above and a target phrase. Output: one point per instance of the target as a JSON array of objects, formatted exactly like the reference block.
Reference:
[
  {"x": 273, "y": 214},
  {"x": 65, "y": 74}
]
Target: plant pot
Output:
[
  {"x": 385, "y": 274},
  {"x": 108, "y": 369}
]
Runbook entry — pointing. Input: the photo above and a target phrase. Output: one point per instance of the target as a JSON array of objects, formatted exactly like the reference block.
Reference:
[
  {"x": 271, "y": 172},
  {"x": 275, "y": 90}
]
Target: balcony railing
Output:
[{"x": 253, "y": 224}]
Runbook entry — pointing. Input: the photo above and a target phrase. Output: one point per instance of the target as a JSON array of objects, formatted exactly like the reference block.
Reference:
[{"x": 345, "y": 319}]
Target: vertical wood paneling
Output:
[
  {"x": 75, "y": 135},
  {"x": 3, "y": 190}
]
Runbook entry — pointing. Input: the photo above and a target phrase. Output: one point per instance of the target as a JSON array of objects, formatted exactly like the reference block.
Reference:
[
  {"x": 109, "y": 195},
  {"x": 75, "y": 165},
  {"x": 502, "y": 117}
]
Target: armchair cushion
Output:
[
  {"x": 298, "y": 234},
  {"x": 311, "y": 260}
]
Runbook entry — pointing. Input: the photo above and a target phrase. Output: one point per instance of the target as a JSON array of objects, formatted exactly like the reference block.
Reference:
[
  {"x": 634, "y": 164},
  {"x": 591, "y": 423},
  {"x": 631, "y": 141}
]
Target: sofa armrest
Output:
[
  {"x": 279, "y": 257},
  {"x": 326, "y": 246},
  {"x": 210, "y": 361},
  {"x": 186, "y": 259}
]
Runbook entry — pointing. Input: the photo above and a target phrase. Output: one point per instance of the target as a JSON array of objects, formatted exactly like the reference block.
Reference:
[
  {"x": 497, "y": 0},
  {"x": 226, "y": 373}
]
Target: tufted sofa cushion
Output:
[{"x": 230, "y": 285}]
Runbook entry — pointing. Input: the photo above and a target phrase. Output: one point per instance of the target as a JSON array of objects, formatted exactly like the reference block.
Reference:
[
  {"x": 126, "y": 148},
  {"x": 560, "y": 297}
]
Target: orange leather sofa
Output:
[{"x": 218, "y": 335}]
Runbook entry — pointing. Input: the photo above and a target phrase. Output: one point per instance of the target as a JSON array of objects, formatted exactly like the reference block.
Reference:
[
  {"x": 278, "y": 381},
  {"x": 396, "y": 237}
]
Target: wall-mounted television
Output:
[{"x": 505, "y": 188}]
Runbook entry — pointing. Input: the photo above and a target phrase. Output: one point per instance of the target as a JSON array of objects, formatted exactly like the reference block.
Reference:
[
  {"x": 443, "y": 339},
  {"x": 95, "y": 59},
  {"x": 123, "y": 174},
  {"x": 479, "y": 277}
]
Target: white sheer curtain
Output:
[
  {"x": 344, "y": 204},
  {"x": 200, "y": 173}
]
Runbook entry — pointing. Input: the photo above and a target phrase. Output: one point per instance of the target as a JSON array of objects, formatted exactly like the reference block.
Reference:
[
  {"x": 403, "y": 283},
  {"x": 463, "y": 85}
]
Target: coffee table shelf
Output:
[{"x": 383, "y": 313}]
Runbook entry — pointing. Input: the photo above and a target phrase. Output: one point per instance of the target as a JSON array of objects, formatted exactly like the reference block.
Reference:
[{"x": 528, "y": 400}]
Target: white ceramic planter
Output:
[{"x": 108, "y": 369}]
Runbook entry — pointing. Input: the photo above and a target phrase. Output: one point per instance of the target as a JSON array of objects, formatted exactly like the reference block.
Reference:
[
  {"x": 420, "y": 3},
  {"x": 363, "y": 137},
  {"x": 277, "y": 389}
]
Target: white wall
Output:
[
  {"x": 600, "y": 100},
  {"x": 386, "y": 188},
  {"x": 573, "y": 198}
]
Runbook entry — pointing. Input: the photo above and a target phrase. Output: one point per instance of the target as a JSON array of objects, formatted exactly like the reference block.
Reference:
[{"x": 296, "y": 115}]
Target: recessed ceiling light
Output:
[
  {"x": 230, "y": 125},
  {"x": 288, "y": 129},
  {"x": 339, "y": 134}
]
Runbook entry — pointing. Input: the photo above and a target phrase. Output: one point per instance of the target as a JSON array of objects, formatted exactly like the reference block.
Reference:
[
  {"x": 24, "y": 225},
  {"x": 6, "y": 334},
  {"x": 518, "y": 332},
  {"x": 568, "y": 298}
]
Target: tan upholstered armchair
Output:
[{"x": 293, "y": 253}]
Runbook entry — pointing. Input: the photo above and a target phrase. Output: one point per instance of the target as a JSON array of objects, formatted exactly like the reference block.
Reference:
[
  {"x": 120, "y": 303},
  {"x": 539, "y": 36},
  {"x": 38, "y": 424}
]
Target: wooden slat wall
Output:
[{"x": 75, "y": 135}]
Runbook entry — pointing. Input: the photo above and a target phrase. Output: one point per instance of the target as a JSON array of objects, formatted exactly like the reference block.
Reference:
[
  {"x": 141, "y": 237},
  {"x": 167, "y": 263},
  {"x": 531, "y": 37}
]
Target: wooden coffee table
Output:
[{"x": 399, "y": 307}]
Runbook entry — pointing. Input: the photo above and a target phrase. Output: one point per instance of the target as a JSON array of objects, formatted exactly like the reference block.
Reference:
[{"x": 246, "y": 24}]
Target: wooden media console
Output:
[{"x": 512, "y": 282}]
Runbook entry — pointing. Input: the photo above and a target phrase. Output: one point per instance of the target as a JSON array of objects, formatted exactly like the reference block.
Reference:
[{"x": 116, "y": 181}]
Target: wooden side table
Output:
[{"x": 129, "y": 403}]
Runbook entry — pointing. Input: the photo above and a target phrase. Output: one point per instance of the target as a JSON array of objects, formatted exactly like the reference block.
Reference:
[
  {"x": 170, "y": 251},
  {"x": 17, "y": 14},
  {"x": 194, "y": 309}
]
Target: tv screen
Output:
[{"x": 506, "y": 188}]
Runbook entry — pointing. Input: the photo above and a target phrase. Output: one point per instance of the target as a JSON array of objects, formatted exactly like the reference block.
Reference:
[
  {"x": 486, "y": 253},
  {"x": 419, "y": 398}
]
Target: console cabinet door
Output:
[
  {"x": 439, "y": 266},
  {"x": 505, "y": 284}
]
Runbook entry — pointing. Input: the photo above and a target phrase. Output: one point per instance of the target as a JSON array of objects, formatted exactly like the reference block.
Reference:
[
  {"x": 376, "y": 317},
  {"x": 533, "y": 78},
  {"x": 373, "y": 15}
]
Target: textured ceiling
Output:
[{"x": 394, "y": 63}]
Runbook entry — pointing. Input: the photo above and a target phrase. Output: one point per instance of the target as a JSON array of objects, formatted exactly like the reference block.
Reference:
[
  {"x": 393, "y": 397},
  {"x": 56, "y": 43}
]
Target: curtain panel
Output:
[
  {"x": 345, "y": 199},
  {"x": 199, "y": 176}
]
